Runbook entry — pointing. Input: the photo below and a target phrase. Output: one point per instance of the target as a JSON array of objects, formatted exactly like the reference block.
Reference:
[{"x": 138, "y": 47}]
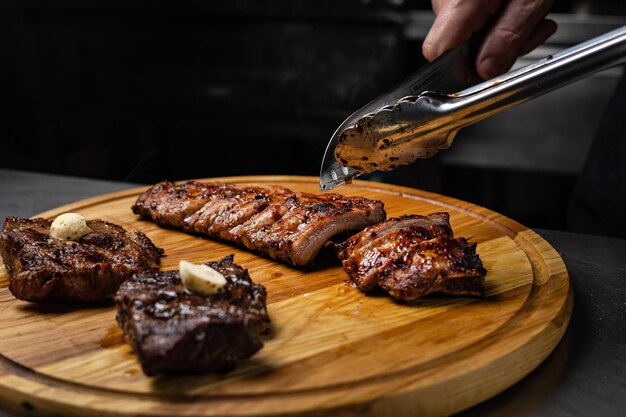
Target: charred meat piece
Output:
[
  {"x": 285, "y": 225},
  {"x": 91, "y": 268},
  {"x": 174, "y": 330},
  {"x": 412, "y": 256}
]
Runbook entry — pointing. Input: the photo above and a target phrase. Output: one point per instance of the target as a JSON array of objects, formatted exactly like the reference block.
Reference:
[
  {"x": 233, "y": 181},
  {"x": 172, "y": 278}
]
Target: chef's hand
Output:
[{"x": 516, "y": 28}]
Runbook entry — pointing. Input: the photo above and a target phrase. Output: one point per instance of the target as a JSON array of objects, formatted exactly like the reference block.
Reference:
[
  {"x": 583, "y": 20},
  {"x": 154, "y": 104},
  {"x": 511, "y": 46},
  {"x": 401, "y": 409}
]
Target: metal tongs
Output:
[{"x": 423, "y": 114}]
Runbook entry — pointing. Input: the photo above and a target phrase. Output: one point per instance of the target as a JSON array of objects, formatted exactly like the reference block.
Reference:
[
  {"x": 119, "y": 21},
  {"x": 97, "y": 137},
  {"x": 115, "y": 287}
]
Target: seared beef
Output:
[
  {"x": 173, "y": 330},
  {"x": 412, "y": 256},
  {"x": 285, "y": 225},
  {"x": 92, "y": 268}
]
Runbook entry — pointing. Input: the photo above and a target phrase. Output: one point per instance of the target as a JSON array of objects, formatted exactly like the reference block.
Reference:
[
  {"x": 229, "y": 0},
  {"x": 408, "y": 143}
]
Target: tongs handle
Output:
[{"x": 493, "y": 96}]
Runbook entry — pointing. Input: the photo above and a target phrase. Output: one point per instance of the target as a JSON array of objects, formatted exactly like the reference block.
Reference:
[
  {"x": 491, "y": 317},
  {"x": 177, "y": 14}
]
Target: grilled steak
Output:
[
  {"x": 91, "y": 268},
  {"x": 173, "y": 330},
  {"x": 285, "y": 225},
  {"x": 412, "y": 256}
]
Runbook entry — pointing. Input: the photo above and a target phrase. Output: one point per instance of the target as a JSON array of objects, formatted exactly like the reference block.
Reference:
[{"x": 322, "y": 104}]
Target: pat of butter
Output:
[
  {"x": 201, "y": 279},
  {"x": 69, "y": 226}
]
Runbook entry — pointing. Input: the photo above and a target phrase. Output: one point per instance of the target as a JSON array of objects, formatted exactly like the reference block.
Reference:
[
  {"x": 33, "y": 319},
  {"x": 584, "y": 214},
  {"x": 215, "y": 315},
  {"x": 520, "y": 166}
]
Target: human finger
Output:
[
  {"x": 509, "y": 34},
  {"x": 542, "y": 32},
  {"x": 438, "y": 4},
  {"x": 455, "y": 23}
]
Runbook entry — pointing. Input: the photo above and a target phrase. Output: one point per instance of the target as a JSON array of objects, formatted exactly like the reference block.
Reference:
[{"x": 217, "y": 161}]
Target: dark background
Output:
[{"x": 145, "y": 91}]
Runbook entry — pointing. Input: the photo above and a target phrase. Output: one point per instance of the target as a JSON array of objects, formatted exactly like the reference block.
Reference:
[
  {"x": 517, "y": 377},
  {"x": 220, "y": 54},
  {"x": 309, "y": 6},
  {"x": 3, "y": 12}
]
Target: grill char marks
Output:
[
  {"x": 173, "y": 330},
  {"x": 92, "y": 268},
  {"x": 285, "y": 225},
  {"x": 412, "y": 256}
]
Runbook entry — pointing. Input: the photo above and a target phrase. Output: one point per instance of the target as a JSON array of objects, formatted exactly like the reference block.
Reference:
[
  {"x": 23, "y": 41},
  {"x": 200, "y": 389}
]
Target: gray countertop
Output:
[{"x": 584, "y": 376}]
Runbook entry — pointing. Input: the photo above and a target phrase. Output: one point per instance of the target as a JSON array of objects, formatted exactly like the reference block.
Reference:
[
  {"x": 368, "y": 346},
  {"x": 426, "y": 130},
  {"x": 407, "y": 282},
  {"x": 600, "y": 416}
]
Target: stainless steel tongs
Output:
[{"x": 423, "y": 114}]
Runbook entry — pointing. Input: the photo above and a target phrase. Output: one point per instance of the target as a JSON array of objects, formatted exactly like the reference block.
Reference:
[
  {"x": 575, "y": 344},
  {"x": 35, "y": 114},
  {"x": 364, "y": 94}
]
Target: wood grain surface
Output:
[{"x": 333, "y": 350}]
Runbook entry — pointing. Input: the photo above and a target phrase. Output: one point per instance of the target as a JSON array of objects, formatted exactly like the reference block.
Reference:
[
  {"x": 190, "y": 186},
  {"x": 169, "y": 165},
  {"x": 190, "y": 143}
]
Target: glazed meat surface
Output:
[
  {"x": 412, "y": 256},
  {"x": 43, "y": 268},
  {"x": 173, "y": 330},
  {"x": 285, "y": 225}
]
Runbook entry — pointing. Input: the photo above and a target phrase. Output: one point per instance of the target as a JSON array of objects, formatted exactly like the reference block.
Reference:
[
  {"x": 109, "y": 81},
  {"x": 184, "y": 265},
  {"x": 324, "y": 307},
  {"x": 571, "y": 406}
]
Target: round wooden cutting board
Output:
[{"x": 333, "y": 350}]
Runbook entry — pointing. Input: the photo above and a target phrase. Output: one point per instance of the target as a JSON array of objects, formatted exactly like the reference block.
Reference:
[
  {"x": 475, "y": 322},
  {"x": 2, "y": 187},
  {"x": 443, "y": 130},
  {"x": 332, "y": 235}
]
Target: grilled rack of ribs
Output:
[
  {"x": 412, "y": 256},
  {"x": 173, "y": 330},
  {"x": 89, "y": 269},
  {"x": 288, "y": 226}
]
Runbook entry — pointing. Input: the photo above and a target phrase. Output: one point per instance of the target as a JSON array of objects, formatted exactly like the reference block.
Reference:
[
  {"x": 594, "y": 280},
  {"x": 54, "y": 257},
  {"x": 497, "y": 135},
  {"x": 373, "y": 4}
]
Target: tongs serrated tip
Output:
[{"x": 333, "y": 174}]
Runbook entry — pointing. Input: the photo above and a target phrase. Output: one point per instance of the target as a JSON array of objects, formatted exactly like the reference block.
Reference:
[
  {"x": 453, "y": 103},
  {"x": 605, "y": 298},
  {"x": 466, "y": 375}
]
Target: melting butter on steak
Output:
[
  {"x": 90, "y": 268},
  {"x": 173, "y": 330}
]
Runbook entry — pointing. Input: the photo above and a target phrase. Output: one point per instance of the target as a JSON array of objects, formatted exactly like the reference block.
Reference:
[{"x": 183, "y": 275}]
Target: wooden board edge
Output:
[
  {"x": 92, "y": 201},
  {"x": 435, "y": 400},
  {"x": 502, "y": 223},
  {"x": 546, "y": 268}
]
